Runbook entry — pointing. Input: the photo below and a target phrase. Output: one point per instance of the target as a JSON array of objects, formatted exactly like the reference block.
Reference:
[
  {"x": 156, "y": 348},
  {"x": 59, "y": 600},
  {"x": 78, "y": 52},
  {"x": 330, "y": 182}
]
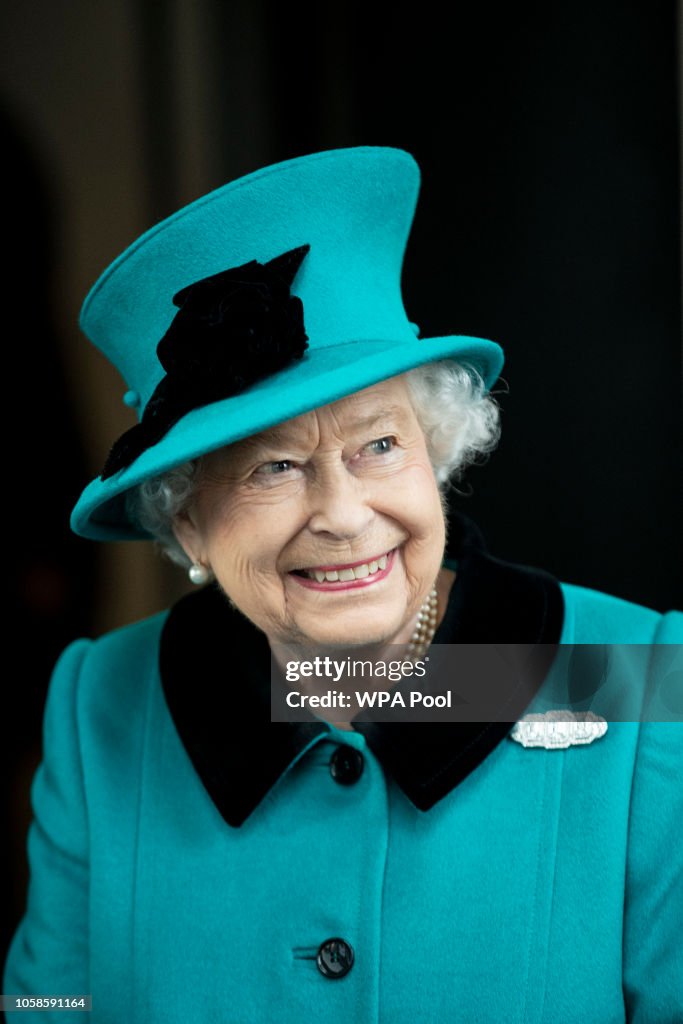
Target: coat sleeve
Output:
[
  {"x": 653, "y": 913},
  {"x": 49, "y": 951}
]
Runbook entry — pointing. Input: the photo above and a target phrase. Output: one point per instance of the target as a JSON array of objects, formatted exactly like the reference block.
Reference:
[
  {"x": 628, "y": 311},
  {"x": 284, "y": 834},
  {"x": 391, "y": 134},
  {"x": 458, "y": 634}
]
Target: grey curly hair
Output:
[{"x": 459, "y": 419}]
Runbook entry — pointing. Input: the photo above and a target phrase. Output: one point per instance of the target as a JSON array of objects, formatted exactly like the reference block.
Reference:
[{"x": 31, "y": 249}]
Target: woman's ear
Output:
[{"x": 188, "y": 535}]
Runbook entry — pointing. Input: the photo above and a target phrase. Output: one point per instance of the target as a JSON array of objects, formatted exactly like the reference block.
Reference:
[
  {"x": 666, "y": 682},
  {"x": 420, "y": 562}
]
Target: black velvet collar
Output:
[{"x": 215, "y": 672}]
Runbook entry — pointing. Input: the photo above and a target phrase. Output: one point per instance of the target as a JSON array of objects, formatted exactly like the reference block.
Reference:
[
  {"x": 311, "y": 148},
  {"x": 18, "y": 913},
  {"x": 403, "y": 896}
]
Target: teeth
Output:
[{"x": 359, "y": 572}]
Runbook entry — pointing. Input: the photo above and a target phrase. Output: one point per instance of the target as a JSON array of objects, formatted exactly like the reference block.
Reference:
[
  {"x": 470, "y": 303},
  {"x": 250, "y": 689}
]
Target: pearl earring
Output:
[{"x": 198, "y": 573}]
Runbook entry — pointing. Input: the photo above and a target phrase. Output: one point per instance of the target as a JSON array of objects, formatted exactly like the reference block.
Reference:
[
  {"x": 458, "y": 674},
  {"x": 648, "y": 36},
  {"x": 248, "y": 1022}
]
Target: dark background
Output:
[{"x": 547, "y": 136}]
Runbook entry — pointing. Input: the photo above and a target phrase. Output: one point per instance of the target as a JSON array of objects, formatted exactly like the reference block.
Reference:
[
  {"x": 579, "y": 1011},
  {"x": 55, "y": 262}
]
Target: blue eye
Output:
[
  {"x": 275, "y": 468},
  {"x": 382, "y": 445}
]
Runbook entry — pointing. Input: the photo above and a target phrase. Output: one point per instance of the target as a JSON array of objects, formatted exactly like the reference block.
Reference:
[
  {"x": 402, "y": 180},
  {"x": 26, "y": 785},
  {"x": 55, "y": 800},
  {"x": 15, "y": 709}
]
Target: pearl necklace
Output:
[{"x": 425, "y": 628}]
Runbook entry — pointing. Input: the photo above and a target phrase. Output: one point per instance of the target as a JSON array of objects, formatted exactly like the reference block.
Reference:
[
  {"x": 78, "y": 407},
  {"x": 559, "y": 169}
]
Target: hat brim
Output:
[{"x": 324, "y": 375}]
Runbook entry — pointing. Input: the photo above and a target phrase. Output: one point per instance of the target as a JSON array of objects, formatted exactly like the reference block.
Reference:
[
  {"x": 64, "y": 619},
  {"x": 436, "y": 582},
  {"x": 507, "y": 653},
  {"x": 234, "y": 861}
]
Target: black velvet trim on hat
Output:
[
  {"x": 215, "y": 670},
  {"x": 231, "y": 330}
]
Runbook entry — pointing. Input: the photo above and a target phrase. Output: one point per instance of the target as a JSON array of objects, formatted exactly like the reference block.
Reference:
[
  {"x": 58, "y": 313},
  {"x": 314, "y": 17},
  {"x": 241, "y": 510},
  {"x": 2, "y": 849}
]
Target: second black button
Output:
[
  {"x": 346, "y": 765},
  {"x": 335, "y": 958}
]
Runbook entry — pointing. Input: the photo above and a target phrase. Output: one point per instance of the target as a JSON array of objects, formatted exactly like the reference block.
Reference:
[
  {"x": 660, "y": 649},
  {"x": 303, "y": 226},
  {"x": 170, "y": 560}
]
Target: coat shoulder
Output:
[
  {"x": 133, "y": 639},
  {"x": 592, "y": 616},
  {"x": 117, "y": 668}
]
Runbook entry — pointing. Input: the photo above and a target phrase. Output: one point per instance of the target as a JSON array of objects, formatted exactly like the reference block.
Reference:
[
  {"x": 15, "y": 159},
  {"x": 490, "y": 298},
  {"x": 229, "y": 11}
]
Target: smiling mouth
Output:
[{"x": 346, "y": 573}]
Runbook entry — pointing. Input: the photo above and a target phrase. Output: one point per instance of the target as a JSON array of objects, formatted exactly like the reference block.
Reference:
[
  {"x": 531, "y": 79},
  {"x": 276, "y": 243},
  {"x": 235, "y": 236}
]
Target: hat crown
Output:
[{"x": 353, "y": 206}]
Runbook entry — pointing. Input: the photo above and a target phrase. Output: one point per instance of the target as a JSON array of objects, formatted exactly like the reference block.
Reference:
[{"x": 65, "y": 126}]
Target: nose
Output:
[{"x": 339, "y": 503}]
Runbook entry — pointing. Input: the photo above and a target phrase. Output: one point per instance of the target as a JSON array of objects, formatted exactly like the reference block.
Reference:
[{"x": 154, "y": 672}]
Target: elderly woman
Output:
[{"x": 193, "y": 859}]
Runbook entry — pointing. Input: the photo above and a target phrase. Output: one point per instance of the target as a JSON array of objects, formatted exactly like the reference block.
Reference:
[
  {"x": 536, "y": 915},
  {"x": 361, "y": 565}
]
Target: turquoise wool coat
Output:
[{"x": 193, "y": 861}]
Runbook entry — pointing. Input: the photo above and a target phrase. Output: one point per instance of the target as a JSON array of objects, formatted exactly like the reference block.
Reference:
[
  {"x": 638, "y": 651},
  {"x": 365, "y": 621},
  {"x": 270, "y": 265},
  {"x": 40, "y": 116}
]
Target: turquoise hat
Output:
[{"x": 330, "y": 228}]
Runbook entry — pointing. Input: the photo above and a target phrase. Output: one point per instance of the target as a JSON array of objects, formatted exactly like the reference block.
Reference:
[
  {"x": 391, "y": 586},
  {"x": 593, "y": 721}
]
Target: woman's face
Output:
[{"x": 327, "y": 529}]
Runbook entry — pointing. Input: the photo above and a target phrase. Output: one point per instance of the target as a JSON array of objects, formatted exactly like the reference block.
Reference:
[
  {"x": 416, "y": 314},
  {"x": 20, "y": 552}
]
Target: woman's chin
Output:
[{"x": 326, "y": 638}]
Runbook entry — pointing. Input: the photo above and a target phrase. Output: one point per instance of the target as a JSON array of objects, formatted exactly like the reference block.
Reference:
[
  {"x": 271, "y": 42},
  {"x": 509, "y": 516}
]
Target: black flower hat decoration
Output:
[{"x": 231, "y": 330}]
